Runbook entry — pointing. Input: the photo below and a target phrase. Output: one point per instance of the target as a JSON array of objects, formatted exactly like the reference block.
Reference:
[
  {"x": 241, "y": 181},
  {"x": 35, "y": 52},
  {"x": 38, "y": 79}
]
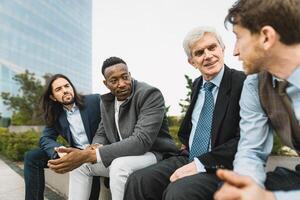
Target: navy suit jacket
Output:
[
  {"x": 90, "y": 115},
  {"x": 225, "y": 125}
]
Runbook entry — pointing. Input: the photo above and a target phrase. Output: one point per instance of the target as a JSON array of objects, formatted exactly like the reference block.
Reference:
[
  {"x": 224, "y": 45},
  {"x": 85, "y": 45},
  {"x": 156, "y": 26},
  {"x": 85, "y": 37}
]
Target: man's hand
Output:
[
  {"x": 182, "y": 147},
  {"x": 94, "y": 146},
  {"x": 186, "y": 170},
  {"x": 237, "y": 187},
  {"x": 73, "y": 159}
]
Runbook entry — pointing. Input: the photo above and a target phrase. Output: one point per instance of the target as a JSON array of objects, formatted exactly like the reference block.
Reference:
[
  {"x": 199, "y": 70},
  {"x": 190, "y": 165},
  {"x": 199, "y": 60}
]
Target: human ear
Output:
[{"x": 268, "y": 37}]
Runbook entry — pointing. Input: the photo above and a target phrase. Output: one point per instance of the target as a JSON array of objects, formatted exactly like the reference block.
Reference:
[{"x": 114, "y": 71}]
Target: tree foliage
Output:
[
  {"x": 25, "y": 105},
  {"x": 185, "y": 103}
]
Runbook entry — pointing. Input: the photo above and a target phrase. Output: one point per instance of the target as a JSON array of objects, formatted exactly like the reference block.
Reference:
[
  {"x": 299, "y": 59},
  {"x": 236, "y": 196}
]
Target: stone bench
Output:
[{"x": 60, "y": 182}]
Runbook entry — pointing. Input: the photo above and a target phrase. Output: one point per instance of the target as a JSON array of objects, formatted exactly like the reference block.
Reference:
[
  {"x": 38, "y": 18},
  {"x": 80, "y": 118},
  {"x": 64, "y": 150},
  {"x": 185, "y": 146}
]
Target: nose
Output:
[
  {"x": 236, "y": 50},
  {"x": 121, "y": 83},
  {"x": 207, "y": 53}
]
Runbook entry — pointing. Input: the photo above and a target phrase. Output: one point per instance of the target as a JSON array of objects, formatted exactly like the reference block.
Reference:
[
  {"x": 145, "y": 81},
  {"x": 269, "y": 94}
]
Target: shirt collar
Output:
[
  {"x": 217, "y": 79},
  {"x": 73, "y": 109},
  {"x": 292, "y": 79}
]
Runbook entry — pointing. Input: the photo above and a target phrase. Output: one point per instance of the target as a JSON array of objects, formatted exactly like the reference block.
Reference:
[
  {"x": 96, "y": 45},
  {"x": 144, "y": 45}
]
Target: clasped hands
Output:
[
  {"x": 71, "y": 158},
  {"x": 238, "y": 187}
]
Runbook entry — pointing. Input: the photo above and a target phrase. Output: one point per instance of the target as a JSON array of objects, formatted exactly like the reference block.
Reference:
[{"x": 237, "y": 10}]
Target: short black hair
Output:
[{"x": 110, "y": 62}]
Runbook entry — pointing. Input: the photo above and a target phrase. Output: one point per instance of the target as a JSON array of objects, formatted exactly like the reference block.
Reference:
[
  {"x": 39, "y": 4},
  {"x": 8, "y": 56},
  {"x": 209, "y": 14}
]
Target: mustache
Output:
[{"x": 67, "y": 93}]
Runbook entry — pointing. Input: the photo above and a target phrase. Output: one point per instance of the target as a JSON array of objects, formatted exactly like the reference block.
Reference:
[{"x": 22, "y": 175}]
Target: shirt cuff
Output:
[
  {"x": 290, "y": 195},
  {"x": 98, "y": 155},
  {"x": 199, "y": 165}
]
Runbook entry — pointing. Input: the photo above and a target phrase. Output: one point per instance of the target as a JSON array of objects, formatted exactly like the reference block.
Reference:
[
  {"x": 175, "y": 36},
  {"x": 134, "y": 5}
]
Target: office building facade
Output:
[{"x": 45, "y": 36}]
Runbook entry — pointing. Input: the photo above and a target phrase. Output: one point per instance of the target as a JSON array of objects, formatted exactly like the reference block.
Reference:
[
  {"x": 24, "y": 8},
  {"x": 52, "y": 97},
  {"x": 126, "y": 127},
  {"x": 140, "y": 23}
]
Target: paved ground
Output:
[{"x": 12, "y": 185}]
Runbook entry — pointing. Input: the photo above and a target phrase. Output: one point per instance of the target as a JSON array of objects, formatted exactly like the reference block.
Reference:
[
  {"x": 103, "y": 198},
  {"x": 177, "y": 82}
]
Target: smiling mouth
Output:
[{"x": 210, "y": 64}]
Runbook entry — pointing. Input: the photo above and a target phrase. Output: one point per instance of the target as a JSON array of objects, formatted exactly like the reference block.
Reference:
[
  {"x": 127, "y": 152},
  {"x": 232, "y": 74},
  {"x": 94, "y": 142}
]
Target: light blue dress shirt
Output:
[
  {"x": 197, "y": 110},
  {"x": 77, "y": 128},
  {"x": 256, "y": 136}
]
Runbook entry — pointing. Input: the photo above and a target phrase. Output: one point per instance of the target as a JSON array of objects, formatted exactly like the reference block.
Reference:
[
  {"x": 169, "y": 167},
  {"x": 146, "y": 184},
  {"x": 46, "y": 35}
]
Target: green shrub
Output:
[
  {"x": 14, "y": 145},
  {"x": 173, "y": 132},
  {"x": 174, "y": 121}
]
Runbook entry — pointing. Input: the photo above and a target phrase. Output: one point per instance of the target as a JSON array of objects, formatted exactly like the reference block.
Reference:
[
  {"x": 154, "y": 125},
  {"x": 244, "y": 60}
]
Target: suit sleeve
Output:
[
  {"x": 48, "y": 141},
  {"x": 145, "y": 132},
  {"x": 221, "y": 155}
]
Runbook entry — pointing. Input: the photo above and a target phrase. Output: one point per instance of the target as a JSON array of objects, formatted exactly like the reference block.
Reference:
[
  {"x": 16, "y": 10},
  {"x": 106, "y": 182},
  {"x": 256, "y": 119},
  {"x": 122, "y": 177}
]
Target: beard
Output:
[
  {"x": 68, "y": 101},
  {"x": 255, "y": 61}
]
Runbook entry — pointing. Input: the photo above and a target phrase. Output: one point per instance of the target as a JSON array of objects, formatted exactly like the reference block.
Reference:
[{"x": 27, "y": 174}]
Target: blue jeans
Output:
[{"x": 34, "y": 163}]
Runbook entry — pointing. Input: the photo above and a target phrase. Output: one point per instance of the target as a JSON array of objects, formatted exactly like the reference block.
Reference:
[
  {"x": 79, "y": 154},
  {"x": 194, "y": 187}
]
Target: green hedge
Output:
[
  {"x": 14, "y": 145},
  {"x": 173, "y": 132}
]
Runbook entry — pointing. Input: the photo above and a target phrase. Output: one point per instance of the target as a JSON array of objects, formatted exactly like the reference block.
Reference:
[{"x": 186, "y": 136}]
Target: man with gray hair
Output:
[{"x": 209, "y": 131}]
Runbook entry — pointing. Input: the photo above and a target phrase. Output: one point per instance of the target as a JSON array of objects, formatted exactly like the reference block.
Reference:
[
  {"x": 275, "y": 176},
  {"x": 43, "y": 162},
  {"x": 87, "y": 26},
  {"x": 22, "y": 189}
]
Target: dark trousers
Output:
[
  {"x": 34, "y": 163},
  {"x": 283, "y": 179},
  {"x": 152, "y": 183}
]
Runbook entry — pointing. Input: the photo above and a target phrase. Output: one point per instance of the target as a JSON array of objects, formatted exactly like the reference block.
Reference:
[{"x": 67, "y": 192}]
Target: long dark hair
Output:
[{"x": 52, "y": 109}]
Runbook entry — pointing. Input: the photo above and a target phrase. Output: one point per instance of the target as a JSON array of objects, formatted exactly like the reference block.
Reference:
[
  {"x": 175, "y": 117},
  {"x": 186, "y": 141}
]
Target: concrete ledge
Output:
[
  {"x": 282, "y": 161},
  {"x": 60, "y": 184},
  {"x": 57, "y": 182},
  {"x": 21, "y": 129}
]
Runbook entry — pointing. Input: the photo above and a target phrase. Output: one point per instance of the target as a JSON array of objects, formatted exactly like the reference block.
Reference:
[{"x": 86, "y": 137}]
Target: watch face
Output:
[{"x": 214, "y": 168}]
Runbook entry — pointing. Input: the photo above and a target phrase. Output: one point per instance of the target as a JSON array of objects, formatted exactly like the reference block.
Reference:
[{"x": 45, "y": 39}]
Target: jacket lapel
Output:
[
  {"x": 221, "y": 104},
  {"x": 108, "y": 104},
  {"x": 65, "y": 127},
  {"x": 186, "y": 126},
  {"x": 85, "y": 121}
]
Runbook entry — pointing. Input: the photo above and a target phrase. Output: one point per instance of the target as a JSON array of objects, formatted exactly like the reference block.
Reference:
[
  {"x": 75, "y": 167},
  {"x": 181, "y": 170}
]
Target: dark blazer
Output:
[
  {"x": 225, "y": 125},
  {"x": 90, "y": 115}
]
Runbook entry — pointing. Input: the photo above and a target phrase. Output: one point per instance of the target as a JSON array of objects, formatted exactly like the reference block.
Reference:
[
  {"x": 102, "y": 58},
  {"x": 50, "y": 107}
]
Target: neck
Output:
[
  {"x": 285, "y": 61},
  {"x": 69, "y": 107}
]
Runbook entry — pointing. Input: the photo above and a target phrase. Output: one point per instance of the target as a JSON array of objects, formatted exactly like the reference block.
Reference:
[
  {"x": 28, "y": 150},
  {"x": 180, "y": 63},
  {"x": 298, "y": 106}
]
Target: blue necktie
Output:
[{"x": 202, "y": 134}]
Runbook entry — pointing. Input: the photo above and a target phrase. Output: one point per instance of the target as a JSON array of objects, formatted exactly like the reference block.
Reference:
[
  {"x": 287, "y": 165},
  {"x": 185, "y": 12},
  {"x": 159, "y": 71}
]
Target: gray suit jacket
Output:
[{"x": 142, "y": 124}]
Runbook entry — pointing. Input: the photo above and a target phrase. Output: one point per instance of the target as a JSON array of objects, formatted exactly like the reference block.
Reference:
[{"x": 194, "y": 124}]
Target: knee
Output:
[
  {"x": 119, "y": 167},
  {"x": 134, "y": 179},
  {"x": 85, "y": 169},
  {"x": 33, "y": 157},
  {"x": 185, "y": 189},
  {"x": 173, "y": 192}
]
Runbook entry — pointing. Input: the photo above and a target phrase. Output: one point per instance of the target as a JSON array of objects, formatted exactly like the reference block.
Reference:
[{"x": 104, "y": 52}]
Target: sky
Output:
[{"x": 148, "y": 36}]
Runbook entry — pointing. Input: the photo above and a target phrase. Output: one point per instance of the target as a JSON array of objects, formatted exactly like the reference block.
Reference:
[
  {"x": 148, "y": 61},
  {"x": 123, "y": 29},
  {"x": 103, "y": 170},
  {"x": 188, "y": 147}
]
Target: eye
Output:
[
  {"x": 57, "y": 89},
  {"x": 212, "y": 47},
  {"x": 113, "y": 81},
  {"x": 125, "y": 77},
  {"x": 199, "y": 52}
]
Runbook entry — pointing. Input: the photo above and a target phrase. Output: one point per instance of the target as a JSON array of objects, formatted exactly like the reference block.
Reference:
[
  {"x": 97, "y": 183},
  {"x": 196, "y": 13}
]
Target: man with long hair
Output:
[{"x": 73, "y": 116}]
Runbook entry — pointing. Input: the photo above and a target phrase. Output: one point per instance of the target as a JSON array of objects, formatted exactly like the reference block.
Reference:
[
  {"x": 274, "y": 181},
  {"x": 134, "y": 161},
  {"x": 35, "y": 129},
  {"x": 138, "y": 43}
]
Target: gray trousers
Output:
[{"x": 118, "y": 172}]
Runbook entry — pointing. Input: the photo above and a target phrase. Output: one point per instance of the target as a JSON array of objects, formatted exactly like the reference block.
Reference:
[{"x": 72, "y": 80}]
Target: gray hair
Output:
[{"x": 196, "y": 34}]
